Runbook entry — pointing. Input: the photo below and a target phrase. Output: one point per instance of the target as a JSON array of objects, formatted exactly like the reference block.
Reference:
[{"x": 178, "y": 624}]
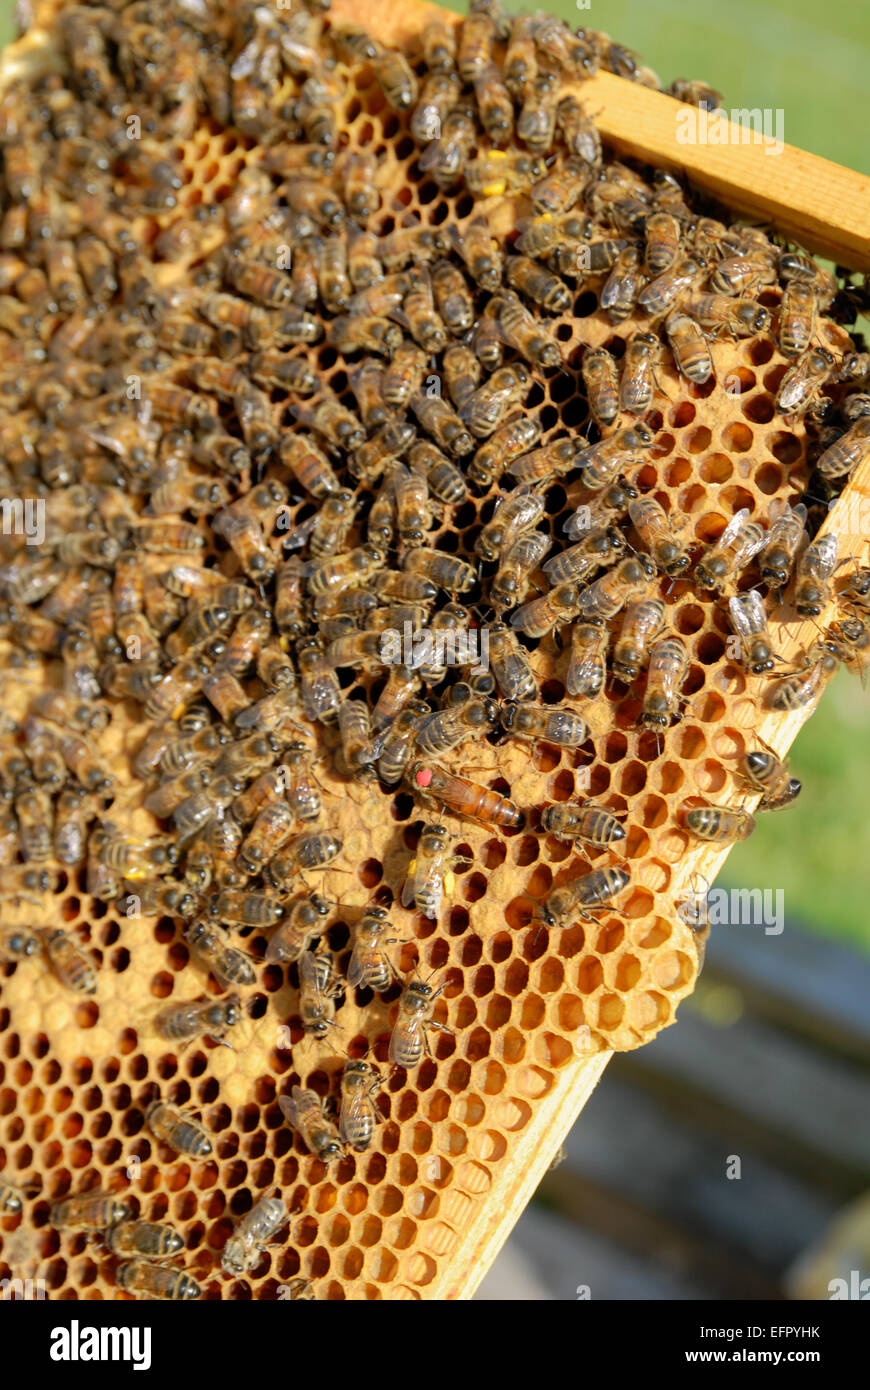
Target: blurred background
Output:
[{"x": 730, "y": 1158}]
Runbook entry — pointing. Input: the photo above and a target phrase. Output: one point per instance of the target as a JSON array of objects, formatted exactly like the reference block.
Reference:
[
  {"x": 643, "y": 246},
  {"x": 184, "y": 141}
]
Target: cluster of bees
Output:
[{"x": 229, "y": 540}]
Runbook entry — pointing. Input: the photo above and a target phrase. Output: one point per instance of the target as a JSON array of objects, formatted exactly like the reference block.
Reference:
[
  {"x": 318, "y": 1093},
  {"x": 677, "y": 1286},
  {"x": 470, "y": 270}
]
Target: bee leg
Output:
[{"x": 439, "y": 1027}]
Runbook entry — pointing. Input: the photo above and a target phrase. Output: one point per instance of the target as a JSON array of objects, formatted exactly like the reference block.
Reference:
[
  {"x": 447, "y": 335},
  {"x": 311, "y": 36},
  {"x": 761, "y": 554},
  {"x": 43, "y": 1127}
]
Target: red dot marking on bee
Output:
[{"x": 423, "y": 777}]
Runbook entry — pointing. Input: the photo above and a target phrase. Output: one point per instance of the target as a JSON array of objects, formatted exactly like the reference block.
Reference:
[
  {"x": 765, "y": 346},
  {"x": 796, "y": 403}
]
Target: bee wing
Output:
[
  {"x": 296, "y": 538},
  {"x": 747, "y": 613},
  {"x": 353, "y": 1107},
  {"x": 309, "y": 974},
  {"x": 782, "y": 511},
  {"x": 820, "y": 559},
  {"x": 577, "y": 525},
  {"x": 287, "y": 1106},
  {"x": 409, "y": 889},
  {"x": 732, "y": 530},
  {"x": 356, "y": 967}
]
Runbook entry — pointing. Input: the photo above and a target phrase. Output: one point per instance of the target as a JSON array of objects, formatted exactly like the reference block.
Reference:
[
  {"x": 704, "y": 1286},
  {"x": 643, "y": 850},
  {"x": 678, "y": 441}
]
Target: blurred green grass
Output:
[{"x": 813, "y": 62}]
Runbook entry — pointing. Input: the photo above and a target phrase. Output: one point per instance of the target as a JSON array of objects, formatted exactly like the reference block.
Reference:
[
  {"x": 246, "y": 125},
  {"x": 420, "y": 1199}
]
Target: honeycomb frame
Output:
[{"x": 423, "y": 1213}]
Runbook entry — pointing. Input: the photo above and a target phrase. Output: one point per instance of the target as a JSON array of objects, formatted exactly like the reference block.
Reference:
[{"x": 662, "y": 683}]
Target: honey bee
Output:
[
  {"x": 541, "y": 615},
  {"x": 602, "y": 462},
  {"x": 276, "y": 369},
  {"x": 797, "y": 317},
  {"x": 623, "y": 285},
  {"x": 743, "y": 275},
  {"x": 305, "y": 853},
  {"x": 487, "y": 407},
  {"x": 395, "y": 745},
  {"x": 815, "y": 567},
  {"x": 369, "y": 967},
  {"x": 132, "y": 857},
  {"x": 594, "y": 889},
  {"x": 749, "y": 621},
  {"x": 448, "y": 727},
  {"x": 73, "y": 967},
  {"x": 438, "y": 40},
  {"x": 521, "y": 331},
  {"x": 304, "y": 922},
  {"x": 97, "y": 266},
  {"x": 191, "y": 1019},
  {"x": 229, "y": 965},
  {"x": 602, "y": 385},
  {"x": 19, "y": 880},
  {"x": 417, "y": 244},
  {"x": 578, "y": 131},
  {"x": 819, "y": 667},
  {"x": 167, "y": 897},
  {"x": 447, "y": 156},
  {"x": 303, "y": 1111},
  {"x": 358, "y": 1115},
  {"x": 851, "y": 638},
  {"x": 408, "y": 1040},
  {"x": 652, "y": 525},
  {"x": 17, "y": 943},
  {"x": 667, "y": 290},
  {"x": 252, "y": 1234},
  {"x": 440, "y": 568},
  {"x": 510, "y": 665},
  {"x": 554, "y": 724},
  {"x": 783, "y": 538},
  {"x": 338, "y": 426},
  {"x": 695, "y": 94},
  {"x": 440, "y": 420},
  {"x": 476, "y": 38},
  {"x": 514, "y": 516},
  {"x": 271, "y": 829},
  {"x": 605, "y": 597},
  {"x": 247, "y": 907},
  {"x": 309, "y": 465},
  {"x": 396, "y": 78},
  {"x": 443, "y": 478},
  {"x": 587, "y": 663},
  {"x": 640, "y": 625},
  {"x": 91, "y": 1211},
  {"x": 720, "y": 824},
  {"x": 847, "y": 453},
  {"x": 803, "y": 381},
  {"x": 429, "y": 874},
  {"x": 354, "y": 725},
  {"x": 413, "y": 509},
  {"x": 462, "y": 373},
  {"x": 10, "y": 1199},
  {"x": 152, "y": 1238},
  {"x": 586, "y": 821},
  {"x": 855, "y": 593},
  {"x": 719, "y": 313},
  {"x": 381, "y": 451},
  {"x": 533, "y": 280},
  {"x": 464, "y": 798},
  {"x": 520, "y": 61},
  {"x": 509, "y": 443},
  {"x": 739, "y": 543},
  {"x": 319, "y": 688},
  {"x": 536, "y": 124},
  {"x": 769, "y": 775},
  {"x": 452, "y": 297},
  {"x": 487, "y": 341},
  {"x": 143, "y": 1279},
  {"x": 438, "y": 97},
  {"x": 689, "y": 347},
  {"x": 350, "y": 333},
  {"x": 480, "y": 253}
]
